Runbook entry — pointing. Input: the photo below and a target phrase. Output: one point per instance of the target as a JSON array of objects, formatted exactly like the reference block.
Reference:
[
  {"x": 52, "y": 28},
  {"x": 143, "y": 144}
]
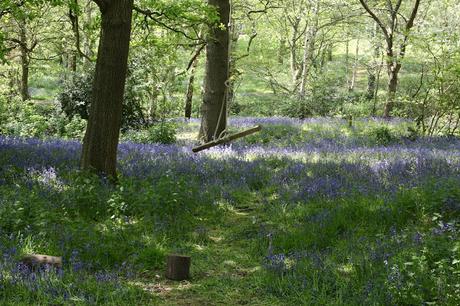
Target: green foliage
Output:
[
  {"x": 162, "y": 132},
  {"x": 75, "y": 99},
  {"x": 382, "y": 135},
  {"x": 37, "y": 119}
]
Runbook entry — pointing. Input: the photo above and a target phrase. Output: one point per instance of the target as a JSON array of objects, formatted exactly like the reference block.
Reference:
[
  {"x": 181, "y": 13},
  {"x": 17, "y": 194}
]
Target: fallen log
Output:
[{"x": 37, "y": 260}]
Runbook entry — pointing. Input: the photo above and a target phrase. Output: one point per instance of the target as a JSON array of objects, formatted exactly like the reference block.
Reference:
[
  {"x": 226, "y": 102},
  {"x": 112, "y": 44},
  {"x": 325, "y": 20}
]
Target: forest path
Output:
[{"x": 224, "y": 267}]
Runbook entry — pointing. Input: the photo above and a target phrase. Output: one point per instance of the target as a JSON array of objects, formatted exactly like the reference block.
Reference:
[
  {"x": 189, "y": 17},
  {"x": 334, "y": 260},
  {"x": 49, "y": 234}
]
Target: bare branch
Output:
[
  {"x": 373, "y": 16},
  {"x": 154, "y": 16}
]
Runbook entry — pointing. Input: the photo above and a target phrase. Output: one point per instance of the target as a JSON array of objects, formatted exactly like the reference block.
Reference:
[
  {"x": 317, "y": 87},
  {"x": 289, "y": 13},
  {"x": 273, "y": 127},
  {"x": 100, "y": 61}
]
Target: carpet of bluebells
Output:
[{"x": 338, "y": 215}]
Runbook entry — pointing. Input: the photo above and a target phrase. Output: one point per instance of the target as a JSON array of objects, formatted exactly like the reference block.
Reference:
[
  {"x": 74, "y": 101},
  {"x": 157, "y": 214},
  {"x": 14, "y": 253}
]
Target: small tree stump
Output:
[
  {"x": 178, "y": 267},
  {"x": 37, "y": 260}
]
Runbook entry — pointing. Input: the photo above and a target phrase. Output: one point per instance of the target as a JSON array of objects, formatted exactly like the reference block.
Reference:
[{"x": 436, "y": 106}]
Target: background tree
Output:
[{"x": 397, "y": 25}]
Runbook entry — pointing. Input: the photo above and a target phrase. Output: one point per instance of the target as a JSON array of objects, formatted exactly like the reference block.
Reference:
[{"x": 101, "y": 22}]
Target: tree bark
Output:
[
  {"x": 190, "y": 90},
  {"x": 373, "y": 66},
  {"x": 309, "y": 48},
  {"x": 25, "y": 62},
  {"x": 393, "y": 58},
  {"x": 354, "y": 73},
  {"x": 214, "y": 108},
  {"x": 101, "y": 138},
  {"x": 393, "y": 71},
  {"x": 74, "y": 20},
  {"x": 281, "y": 50}
]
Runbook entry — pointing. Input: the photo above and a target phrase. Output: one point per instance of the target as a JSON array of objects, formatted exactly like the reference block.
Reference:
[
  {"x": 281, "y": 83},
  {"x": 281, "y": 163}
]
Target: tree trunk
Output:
[
  {"x": 190, "y": 88},
  {"x": 281, "y": 50},
  {"x": 293, "y": 52},
  {"x": 393, "y": 70},
  {"x": 101, "y": 138},
  {"x": 214, "y": 108},
  {"x": 74, "y": 20},
  {"x": 88, "y": 40},
  {"x": 25, "y": 63},
  {"x": 309, "y": 48},
  {"x": 371, "y": 82},
  {"x": 232, "y": 70},
  {"x": 329, "y": 53},
  {"x": 347, "y": 61},
  {"x": 355, "y": 69},
  {"x": 373, "y": 67}
]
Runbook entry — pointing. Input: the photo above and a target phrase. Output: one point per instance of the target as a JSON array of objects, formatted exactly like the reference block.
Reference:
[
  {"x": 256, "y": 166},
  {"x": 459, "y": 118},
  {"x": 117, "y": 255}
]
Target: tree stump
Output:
[
  {"x": 178, "y": 267},
  {"x": 37, "y": 260}
]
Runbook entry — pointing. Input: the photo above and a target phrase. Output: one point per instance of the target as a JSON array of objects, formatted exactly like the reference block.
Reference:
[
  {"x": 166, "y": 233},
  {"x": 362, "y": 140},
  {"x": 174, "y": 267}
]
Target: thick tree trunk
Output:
[
  {"x": 25, "y": 63},
  {"x": 214, "y": 108},
  {"x": 101, "y": 138},
  {"x": 190, "y": 90}
]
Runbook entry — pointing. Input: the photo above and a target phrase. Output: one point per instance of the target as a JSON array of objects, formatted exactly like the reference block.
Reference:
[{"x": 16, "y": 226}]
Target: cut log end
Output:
[
  {"x": 178, "y": 267},
  {"x": 37, "y": 260}
]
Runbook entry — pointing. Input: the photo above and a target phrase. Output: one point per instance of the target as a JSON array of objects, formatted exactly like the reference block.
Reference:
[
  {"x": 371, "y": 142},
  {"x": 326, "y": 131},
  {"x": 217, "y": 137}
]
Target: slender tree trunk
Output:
[
  {"x": 232, "y": 70},
  {"x": 74, "y": 20},
  {"x": 329, "y": 53},
  {"x": 393, "y": 70},
  {"x": 347, "y": 61},
  {"x": 214, "y": 108},
  {"x": 281, "y": 50},
  {"x": 101, "y": 138},
  {"x": 355, "y": 68},
  {"x": 309, "y": 48},
  {"x": 373, "y": 65},
  {"x": 293, "y": 52},
  {"x": 87, "y": 20},
  {"x": 25, "y": 62},
  {"x": 190, "y": 90}
]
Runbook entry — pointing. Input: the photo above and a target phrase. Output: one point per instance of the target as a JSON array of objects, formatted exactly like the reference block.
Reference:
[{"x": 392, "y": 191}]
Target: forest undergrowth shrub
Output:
[
  {"x": 382, "y": 135},
  {"x": 38, "y": 119},
  {"x": 75, "y": 100},
  {"x": 162, "y": 132}
]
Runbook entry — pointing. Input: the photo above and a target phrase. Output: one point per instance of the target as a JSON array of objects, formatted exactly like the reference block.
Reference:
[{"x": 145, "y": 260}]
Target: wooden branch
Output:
[
  {"x": 409, "y": 25},
  {"x": 373, "y": 16},
  {"x": 227, "y": 139},
  {"x": 410, "y": 22},
  {"x": 154, "y": 17},
  {"x": 195, "y": 56}
]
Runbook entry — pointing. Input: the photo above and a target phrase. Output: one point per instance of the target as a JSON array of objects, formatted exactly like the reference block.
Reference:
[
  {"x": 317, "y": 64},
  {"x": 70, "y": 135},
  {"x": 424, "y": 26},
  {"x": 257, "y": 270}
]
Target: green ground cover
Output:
[{"x": 309, "y": 212}]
